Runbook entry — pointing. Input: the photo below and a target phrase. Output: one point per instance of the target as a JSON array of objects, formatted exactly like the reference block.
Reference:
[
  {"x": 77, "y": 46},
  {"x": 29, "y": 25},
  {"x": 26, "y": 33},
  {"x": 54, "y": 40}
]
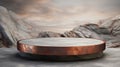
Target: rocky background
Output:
[{"x": 13, "y": 28}]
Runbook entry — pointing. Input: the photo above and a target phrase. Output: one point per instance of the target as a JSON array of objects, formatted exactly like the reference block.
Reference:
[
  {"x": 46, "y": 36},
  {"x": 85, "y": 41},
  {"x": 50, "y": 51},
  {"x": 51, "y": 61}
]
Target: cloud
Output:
[
  {"x": 20, "y": 6},
  {"x": 62, "y": 12}
]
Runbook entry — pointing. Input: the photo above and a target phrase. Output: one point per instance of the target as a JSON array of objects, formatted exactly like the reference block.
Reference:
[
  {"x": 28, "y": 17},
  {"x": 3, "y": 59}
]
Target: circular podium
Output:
[{"x": 61, "y": 49}]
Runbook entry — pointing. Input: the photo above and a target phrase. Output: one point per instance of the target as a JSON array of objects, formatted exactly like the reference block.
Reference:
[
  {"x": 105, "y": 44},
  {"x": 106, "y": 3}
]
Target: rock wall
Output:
[{"x": 12, "y": 28}]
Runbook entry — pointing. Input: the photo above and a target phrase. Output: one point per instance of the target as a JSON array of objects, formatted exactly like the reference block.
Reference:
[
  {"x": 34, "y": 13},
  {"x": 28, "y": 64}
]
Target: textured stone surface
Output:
[
  {"x": 97, "y": 29},
  {"x": 48, "y": 34},
  {"x": 83, "y": 32},
  {"x": 8, "y": 58},
  {"x": 113, "y": 25},
  {"x": 12, "y": 28},
  {"x": 70, "y": 34}
]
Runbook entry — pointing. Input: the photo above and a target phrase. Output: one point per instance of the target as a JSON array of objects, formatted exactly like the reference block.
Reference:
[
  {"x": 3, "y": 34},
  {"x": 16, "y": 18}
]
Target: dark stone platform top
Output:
[{"x": 9, "y": 58}]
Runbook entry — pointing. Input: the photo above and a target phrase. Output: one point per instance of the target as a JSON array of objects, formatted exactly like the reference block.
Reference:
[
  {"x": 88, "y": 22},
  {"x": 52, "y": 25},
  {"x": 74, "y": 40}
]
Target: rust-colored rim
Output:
[{"x": 73, "y": 50}]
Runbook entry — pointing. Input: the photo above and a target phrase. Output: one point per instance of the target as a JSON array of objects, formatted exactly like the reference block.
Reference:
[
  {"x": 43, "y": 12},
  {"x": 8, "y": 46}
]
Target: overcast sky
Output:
[
  {"x": 63, "y": 12},
  {"x": 86, "y": 8}
]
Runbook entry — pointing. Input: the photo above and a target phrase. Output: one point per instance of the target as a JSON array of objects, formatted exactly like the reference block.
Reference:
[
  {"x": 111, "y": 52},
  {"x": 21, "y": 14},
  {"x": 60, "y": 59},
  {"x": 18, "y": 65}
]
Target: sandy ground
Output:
[{"x": 8, "y": 59}]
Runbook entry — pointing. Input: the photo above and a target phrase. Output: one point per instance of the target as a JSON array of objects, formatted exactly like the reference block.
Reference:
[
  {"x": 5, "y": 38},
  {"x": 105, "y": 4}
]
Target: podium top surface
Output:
[{"x": 62, "y": 42}]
